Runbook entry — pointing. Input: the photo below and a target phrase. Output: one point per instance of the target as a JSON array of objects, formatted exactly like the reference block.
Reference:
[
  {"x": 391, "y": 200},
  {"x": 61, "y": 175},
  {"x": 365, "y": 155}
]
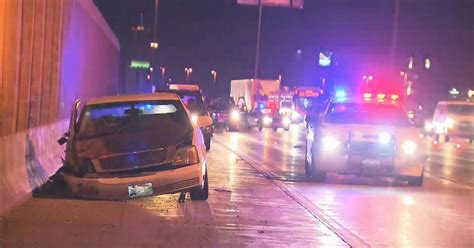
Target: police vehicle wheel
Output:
[{"x": 201, "y": 194}]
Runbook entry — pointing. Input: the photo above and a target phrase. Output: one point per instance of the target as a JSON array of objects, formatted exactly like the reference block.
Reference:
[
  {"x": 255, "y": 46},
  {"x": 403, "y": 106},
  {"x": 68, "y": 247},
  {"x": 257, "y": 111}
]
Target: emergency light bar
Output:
[{"x": 191, "y": 87}]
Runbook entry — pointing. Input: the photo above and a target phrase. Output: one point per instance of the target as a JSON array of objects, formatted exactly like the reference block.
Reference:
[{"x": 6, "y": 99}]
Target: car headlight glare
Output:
[
  {"x": 409, "y": 147},
  {"x": 235, "y": 115},
  {"x": 267, "y": 120},
  {"x": 186, "y": 156},
  {"x": 194, "y": 119},
  {"x": 449, "y": 122},
  {"x": 428, "y": 126},
  {"x": 384, "y": 138},
  {"x": 329, "y": 143}
]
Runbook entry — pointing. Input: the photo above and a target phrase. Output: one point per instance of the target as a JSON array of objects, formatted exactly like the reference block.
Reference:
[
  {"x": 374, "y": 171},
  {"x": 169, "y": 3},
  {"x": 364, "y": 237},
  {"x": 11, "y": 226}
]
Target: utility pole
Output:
[
  {"x": 259, "y": 26},
  {"x": 393, "y": 47}
]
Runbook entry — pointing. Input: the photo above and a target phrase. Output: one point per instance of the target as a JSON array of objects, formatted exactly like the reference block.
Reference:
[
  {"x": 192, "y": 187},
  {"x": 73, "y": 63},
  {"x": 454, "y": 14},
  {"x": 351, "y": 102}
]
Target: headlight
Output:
[
  {"x": 295, "y": 115},
  {"x": 186, "y": 156},
  {"x": 235, "y": 115},
  {"x": 409, "y": 147},
  {"x": 449, "y": 122},
  {"x": 267, "y": 120},
  {"x": 428, "y": 126},
  {"x": 194, "y": 119},
  {"x": 384, "y": 138},
  {"x": 286, "y": 121},
  {"x": 329, "y": 143}
]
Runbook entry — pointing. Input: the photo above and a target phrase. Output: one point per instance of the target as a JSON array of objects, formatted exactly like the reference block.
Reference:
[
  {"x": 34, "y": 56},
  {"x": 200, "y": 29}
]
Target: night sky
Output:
[{"x": 221, "y": 35}]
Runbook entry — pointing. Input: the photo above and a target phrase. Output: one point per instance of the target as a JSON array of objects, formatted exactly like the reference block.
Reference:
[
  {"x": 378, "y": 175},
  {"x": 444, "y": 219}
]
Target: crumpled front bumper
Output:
[{"x": 116, "y": 188}]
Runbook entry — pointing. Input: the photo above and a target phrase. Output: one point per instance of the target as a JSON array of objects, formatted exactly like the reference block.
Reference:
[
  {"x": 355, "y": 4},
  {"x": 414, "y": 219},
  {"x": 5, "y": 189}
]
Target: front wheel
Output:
[
  {"x": 260, "y": 126},
  {"x": 201, "y": 194},
  {"x": 415, "y": 181},
  {"x": 207, "y": 142}
]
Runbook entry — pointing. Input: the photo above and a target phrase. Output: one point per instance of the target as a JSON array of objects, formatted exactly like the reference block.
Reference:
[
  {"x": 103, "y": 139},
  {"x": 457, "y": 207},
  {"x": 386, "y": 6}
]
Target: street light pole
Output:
[
  {"x": 188, "y": 71},
  {"x": 163, "y": 74},
  {"x": 214, "y": 76},
  {"x": 259, "y": 25}
]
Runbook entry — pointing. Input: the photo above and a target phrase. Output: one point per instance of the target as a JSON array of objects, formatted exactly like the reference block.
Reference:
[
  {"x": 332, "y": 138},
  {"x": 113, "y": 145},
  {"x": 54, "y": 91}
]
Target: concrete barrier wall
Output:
[
  {"x": 29, "y": 158},
  {"x": 51, "y": 53}
]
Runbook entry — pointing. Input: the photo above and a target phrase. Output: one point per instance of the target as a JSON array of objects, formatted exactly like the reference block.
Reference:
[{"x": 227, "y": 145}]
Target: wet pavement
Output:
[
  {"x": 377, "y": 211},
  {"x": 260, "y": 197},
  {"x": 244, "y": 209}
]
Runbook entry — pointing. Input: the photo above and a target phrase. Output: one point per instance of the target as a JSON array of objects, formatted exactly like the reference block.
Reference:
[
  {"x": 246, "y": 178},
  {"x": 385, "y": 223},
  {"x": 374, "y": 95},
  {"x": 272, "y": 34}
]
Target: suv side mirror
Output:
[
  {"x": 204, "y": 121},
  {"x": 63, "y": 140}
]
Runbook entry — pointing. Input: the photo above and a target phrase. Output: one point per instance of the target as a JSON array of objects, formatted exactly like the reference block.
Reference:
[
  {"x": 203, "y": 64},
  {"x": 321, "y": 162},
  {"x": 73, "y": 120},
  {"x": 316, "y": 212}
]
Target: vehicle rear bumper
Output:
[
  {"x": 345, "y": 164},
  {"x": 116, "y": 188}
]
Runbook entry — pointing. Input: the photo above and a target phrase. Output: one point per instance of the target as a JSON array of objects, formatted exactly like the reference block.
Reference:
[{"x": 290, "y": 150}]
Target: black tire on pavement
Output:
[
  {"x": 201, "y": 194},
  {"x": 446, "y": 138},
  {"x": 287, "y": 129},
  {"x": 415, "y": 181},
  {"x": 207, "y": 142},
  {"x": 260, "y": 127},
  {"x": 275, "y": 129}
]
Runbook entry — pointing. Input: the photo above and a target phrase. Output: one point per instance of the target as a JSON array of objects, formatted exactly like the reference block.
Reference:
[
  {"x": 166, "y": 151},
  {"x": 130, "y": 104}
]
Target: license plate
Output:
[
  {"x": 371, "y": 163},
  {"x": 137, "y": 190}
]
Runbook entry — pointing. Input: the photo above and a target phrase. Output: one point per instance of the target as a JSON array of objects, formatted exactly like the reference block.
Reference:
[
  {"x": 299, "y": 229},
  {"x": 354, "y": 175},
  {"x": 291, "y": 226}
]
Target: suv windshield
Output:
[
  {"x": 371, "y": 114},
  {"x": 461, "y": 109},
  {"x": 113, "y": 118}
]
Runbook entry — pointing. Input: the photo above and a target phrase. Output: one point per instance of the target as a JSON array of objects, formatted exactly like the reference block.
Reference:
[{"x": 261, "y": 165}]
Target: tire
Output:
[
  {"x": 201, "y": 194},
  {"x": 275, "y": 129},
  {"x": 260, "y": 127},
  {"x": 207, "y": 142},
  {"x": 446, "y": 138},
  {"x": 471, "y": 140},
  {"x": 287, "y": 129},
  {"x": 415, "y": 181}
]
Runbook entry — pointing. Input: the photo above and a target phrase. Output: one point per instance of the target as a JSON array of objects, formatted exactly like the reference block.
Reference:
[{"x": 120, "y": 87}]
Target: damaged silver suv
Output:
[{"x": 129, "y": 146}]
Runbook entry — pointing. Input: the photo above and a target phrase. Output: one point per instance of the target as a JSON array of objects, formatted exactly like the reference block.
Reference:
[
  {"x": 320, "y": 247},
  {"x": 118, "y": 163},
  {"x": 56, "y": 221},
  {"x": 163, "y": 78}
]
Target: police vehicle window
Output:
[
  {"x": 355, "y": 113},
  {"x": 461, "y": 109},
  {"x": 137, "y": 116}
]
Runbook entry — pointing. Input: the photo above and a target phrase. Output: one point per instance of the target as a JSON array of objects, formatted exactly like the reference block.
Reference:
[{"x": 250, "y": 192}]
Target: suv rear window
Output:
[{"x": 193, "y": 101}]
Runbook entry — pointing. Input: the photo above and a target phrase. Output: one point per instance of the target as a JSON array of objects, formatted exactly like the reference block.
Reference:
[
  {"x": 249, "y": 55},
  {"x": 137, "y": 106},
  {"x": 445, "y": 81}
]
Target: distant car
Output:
[
  {"x": 268, "y": 118},
  {"x": 221, "y": 110},
  {"x": 193, "y": 99},
  {"x": 453, "y": 119},
  {"x": 134, "y": 146},
  {"x": 364, "y": 138}
]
